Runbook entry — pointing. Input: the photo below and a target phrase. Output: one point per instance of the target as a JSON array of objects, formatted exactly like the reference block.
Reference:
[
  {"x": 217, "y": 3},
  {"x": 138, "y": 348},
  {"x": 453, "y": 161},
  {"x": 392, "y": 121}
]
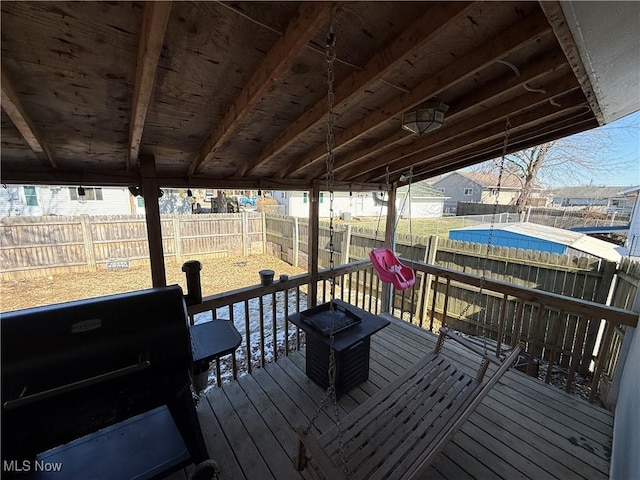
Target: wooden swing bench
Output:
[{"x": 400, "y": 430}]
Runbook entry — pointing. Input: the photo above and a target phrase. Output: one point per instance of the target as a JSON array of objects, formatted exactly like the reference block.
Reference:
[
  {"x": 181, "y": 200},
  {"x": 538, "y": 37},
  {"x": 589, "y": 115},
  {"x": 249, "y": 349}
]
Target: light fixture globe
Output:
[
  {"x": 82, "y": 195},
  {"x": 427, "y": 117}
]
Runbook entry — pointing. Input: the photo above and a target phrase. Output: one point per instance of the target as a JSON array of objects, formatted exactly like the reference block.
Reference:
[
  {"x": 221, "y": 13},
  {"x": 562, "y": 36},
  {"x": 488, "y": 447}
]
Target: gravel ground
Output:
[{"x": 217, "y": 275}]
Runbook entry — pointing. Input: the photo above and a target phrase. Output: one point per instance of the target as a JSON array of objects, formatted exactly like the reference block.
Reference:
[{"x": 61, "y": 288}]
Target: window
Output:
[
  {"x": 441, "y": 190},
  {"x": 305, "y": 197},
  {"x": 494, "y": 192},
  {"x": 140, "y": 201},
  {"x": 90, "y": 193},
  {"x": 468, "y": 191},
  {"x": 30, "y": 196},
  {"x": 321, "y": 196}
]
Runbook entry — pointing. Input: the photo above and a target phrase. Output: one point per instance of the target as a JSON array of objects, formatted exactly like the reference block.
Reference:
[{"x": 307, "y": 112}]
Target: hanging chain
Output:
[
  {"x": 331, "y": 371},
  {"x": 485, "y": 261}
]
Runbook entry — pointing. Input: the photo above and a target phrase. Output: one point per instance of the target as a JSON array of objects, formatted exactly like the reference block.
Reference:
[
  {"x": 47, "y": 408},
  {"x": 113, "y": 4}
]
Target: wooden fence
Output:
[{"x": 37, "y": 246}]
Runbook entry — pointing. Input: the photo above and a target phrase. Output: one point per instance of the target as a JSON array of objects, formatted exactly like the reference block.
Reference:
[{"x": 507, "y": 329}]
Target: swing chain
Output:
[
  {"x": 485, "y": 261},
  {"x": 331, "y": 371}
]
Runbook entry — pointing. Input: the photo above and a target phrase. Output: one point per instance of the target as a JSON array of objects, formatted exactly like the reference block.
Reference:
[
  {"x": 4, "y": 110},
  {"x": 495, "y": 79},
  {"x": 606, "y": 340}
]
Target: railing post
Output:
[
  {"x": 430, "y": 258},
  {"x": 314, "y": 232}
]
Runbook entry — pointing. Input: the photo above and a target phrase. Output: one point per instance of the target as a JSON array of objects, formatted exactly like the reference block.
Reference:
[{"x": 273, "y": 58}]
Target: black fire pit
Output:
[{"x": 353, "y": 328}]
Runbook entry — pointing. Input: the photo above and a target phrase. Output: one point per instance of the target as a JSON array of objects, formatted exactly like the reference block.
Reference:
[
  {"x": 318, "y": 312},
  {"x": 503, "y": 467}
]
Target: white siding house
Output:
[
  {"x": 425, "y": 203},
  {"x": 633, "y": 237},
  {"x": 29, "y": 200}
]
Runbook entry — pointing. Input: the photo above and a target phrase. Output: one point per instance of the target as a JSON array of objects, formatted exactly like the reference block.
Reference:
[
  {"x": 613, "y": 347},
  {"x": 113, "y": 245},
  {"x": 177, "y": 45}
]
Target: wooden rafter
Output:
[
  {"x": 473, "y": 157},
  {"x": 310, "y": 17},
  {"x": 154, "y": 26},
  {"x": 553, "y": 10},
  {"x": 498, "y": 88},
  {"x": 425, "y": 28},
  {"x": 13, "y": 106},
  {"x": 406, "y": 156},
  {"x": 521, "y": 121},
  {"x": 531, "y": 28}
]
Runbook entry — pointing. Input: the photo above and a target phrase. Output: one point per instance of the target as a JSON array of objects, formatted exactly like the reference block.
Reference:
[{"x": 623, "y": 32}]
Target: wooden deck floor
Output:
[{"x": 523, "y": 429}]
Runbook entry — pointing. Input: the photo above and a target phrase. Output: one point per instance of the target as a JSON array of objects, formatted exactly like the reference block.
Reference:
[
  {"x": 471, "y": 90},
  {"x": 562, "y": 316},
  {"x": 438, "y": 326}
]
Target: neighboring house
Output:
[
  {"x": 633, "y": 236},
  {"x": 30, "y": 200},
  {"x": 478, "y": 187},
  {"x": 608, "y": 199},
  {"x": 425, "y": 203}
]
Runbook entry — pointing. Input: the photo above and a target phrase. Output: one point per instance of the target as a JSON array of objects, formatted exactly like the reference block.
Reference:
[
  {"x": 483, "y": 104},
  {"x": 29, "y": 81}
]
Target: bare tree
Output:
[{"x": 585, "y": 158}]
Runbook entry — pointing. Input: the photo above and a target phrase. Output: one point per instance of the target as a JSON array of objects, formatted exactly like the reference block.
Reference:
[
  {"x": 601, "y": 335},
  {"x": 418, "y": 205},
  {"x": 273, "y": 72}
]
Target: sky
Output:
[
  {"x": 617, "y": 150},
  {"x": 626, "y": 133}
]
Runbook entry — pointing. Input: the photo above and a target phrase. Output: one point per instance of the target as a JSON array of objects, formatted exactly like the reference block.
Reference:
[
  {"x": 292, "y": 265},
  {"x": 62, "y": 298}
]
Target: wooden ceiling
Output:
[{"x": 234, "y": 94}]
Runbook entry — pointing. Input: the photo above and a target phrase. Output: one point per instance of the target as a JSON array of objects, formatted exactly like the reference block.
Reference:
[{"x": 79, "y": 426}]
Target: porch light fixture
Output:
[
  {"x": 82, "y": 195},
  {"x": 427, "y": 117},
  {"x": 190, "y": 198}
]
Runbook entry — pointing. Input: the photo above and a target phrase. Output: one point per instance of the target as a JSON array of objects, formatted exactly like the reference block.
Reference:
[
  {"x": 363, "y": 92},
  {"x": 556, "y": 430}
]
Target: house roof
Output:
[
  {"x": 422, "y": 190},
  {"x": 594, "y": 192},
  {"x": 234, "y": 94},
  {"x": 490, "y": 180}
]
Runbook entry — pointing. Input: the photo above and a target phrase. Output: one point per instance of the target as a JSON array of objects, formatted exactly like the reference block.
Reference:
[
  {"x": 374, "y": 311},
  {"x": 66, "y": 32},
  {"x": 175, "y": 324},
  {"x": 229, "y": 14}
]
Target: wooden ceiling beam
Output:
[
  {"x": 499, "y": 88},
  {"x": 407, "y": 155},
  {"x": 494, "y": 49},
  {"x": 520, "y": 121},
  {"x": 525, "y": 141},
  {"x": 102, "y": 178},
  {"x": 154, "y": 25},
  {"x": 553, "y": 11},
  {"x": 436, "y": 19},
  {"x": 12, "y": 105},
  {"x": 311, "y": 16}
]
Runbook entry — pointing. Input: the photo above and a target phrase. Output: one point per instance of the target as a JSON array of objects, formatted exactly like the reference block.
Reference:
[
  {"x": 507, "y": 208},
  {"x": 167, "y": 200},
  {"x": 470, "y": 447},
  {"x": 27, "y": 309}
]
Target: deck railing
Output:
[{"x": 555, "y": 329}]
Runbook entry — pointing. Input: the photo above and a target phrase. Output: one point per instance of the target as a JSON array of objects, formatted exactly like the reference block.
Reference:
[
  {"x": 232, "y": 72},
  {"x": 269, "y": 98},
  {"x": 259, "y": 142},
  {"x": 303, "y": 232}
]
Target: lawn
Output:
[{"x": 416, "y": 226}]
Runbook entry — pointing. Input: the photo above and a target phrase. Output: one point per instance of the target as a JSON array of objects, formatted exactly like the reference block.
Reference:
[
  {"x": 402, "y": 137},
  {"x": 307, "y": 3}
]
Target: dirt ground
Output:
[{"x": 217, "y": 275}]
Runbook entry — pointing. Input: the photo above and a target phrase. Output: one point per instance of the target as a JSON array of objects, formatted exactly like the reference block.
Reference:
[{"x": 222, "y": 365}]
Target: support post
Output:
[
  {"x": 296, "y": 242},
  {"x": 150, "y": 191},
  {"x": 389, "y": 242},
  {"x": 314, "y": 233}
]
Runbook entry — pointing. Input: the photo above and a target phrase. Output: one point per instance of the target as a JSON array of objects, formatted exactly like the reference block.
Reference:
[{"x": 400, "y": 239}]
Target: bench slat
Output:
[{"x": 397, "y": 432}]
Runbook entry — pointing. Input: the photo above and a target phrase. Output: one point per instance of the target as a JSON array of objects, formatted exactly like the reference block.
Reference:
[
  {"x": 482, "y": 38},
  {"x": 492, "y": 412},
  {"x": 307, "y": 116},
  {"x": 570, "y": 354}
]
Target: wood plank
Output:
[
  {"x": 422, "y": 30},
  {"x": 154, "y": 25},
  {"x": 569, "y": 405},
  {"x": 218, "y": 445},
  {"x": 278, "y": 461},
  {"x": 150, "y": 191},
  {"x": 272, "y": 416},
  {"x": 306, "y": 401},
  {"x": 309, "y": 18},
  {"x": 462, "y": 68},
  {"x": 12, "y": 105},
  {"x": 246, "y": 452},
  {"x": 507, "y": 422}
]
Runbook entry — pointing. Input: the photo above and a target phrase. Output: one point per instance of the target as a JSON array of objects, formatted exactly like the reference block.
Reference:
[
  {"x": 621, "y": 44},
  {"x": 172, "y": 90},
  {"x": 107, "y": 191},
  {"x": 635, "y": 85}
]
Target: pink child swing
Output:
[{"x": 389, "y": 268}]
